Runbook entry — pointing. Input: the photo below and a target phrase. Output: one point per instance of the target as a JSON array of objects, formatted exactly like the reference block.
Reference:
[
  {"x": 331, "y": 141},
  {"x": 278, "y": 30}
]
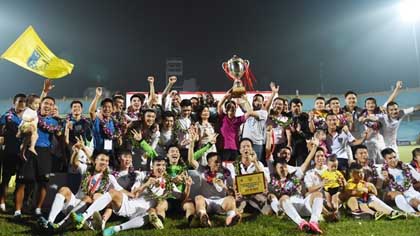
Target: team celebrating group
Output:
[{"x": 168, "y": 155}]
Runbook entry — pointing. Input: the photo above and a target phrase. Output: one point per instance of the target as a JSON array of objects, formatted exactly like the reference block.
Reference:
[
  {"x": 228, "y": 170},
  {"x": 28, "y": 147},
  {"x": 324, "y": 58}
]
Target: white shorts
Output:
[
  {"x": 411, "y": 194},
  {"x": 214, "y": 206},
  {"x": 302, "y": 205},
  {"x": 131, "y": 208}
]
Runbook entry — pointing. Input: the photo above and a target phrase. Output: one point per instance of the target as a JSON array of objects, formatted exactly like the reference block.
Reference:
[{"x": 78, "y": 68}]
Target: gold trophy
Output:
[{"x": 235, "y": 69}]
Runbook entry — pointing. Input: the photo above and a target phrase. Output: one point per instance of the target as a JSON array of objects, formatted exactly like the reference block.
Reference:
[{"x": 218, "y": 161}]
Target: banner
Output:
[{"x": 29, "y": 52}]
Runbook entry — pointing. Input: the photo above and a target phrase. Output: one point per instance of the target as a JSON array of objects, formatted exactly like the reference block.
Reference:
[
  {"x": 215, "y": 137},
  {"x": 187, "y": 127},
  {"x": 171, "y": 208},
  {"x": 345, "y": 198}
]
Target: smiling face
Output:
[
  {"x": 119, "y": 104},
  {"x": 186, "y": 111},
  {"x": 285, "y": 154},
  {"x": 168, "y": 122},
  {"x": 361, "y": 156},
  {"x": 20, "y": 103},
  {"x": 351, "y": 100},
  {"x": 391, "y": 160},
  {"x": 135, "y": 103},
  {"x": 319, "y": 105},
  {"x": 257, "y": 103},
  {"x": 296, "y": 108},
  {"x": 35, "y": 104},
  {"x": 106, "y": 109},
  {"x": 335, "y": 105},
  {"x": 205, "y": 114},
  {"x": 332, "y": 122},
  {"x": 149, "y": 118},
  {"x": 159, "y": 168},
  {"x": 319, "y": 158},
  {"x": 173, "y": 155},
  {"x": 278, "y": 105},
  {"x": 214, "y": 163},
  {"x": 47, "y": 106},
  {"x": 76, "y": 109},
  {"x": 370, "y": 105},
  {"x": 101, "y": 163},
  {"x": 393, "y": 111},
  {"x": 281, "y": 170},
  {"x": 126, "y": 161}
]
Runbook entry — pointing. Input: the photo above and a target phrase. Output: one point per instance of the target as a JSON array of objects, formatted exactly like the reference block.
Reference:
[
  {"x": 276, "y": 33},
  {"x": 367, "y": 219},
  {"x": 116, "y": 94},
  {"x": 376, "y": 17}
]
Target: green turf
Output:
[
  {"x": 260, "y": 225},
  {"x": 251, "y": 225}
]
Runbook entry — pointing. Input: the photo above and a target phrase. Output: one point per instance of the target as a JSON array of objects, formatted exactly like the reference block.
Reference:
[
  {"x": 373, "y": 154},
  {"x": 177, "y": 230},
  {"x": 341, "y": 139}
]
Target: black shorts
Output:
[
  {"x": 35, "y": 168},
  {"x": 333, "y": 191},
  {"x": 9, "y": 163}
]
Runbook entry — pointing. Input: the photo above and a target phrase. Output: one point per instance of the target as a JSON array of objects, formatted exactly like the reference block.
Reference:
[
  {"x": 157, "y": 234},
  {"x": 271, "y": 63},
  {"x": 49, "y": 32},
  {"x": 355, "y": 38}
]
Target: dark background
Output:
[{"x": 355, "y": 44}]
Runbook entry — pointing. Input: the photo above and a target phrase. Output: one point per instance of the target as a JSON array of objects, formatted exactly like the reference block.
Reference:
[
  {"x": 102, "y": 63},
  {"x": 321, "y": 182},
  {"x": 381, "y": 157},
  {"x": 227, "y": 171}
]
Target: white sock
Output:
[
  {"x": 56, "y": 207},
  {"x": 383, "y": 204},
  {"x": 136, "y": 222},
  {"x": 231, "y": 213},
  {"x": 418, "y": 207},
  {"x": 290, "y": 211},
  {"x": 275, "y": 205},
  {"x": 403, "y": 205},
  {"x": 18, "y": 212},
  {"x": 38, "y": 211},
  {"x": 316, "y": 209},
  {"x": 76, "y": 208},
  {"x": 3, "y": 206},
  {"x": 98, "y": 205}
]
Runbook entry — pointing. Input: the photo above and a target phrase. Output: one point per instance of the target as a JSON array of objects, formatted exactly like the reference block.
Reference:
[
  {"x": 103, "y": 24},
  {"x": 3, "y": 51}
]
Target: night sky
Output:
[{"x": 358, "y": 44}]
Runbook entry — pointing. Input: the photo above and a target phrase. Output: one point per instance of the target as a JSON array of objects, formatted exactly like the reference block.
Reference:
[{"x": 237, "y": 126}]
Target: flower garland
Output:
[
  {"x": 415, "y": 165},
  {"x": 374, "y": 172},
  {"x": 82, "y": 119},
  {"x": 166, "y": 184},
  {"x": 373, "y": 124},
  {"x": 407, "y": 180},
  {"x": 87, "y": 179},
  {"x": 284, "y": 121},
  {"x": 107, "y": 131},
  {"x": 10, "y": 113},
  {"x": 289, "y": 186},
  {"x": 52, "y": 129},
  {"x": 209, "y": 175}
]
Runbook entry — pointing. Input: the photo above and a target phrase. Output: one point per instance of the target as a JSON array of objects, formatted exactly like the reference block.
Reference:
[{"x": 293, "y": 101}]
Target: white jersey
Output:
[
  {"x": 95, "y": 181},
  {"x": 390, "y": 127},
  {"x": 313, "y": 176},
  {"x": 254, "y": 128}
]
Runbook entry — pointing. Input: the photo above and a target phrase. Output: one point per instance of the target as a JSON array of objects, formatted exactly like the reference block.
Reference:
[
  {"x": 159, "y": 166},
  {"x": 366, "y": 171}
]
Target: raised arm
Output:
[
  {"x": 274, "y": 92},
  {"x": 221, "y": 103},
  {"x": 314, "y": 143},
  {"x": 398, "y": 87},
  {"x": 171, "y": 82},
  {"x": 152, "y": 93},
  {"x": 191, "y": 161},
  {"x": 74, "y": 159},
  {"x": 92, "y": 107},
  {"x": 48, "y": 86}
]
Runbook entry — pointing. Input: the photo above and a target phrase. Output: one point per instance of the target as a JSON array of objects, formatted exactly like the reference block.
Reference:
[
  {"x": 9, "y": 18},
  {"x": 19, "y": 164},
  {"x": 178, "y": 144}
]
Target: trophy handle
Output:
[
  {"x": 246, "y": 62},
  {"x": 224, "y": 66}
]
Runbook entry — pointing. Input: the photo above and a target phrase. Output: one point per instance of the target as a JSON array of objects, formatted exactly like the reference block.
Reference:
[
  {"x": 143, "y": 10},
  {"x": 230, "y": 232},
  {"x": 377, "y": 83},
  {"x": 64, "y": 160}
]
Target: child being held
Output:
[
  {"x": 29, "y": 124},
  {"x": 361, "y": 197},
  {"x": 334, "y": 181},
  {"x": 322, "y": 137}
]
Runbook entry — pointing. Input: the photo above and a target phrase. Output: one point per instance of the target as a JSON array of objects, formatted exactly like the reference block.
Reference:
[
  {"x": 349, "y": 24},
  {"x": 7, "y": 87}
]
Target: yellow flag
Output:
[{"x": 29, "y": 52}]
